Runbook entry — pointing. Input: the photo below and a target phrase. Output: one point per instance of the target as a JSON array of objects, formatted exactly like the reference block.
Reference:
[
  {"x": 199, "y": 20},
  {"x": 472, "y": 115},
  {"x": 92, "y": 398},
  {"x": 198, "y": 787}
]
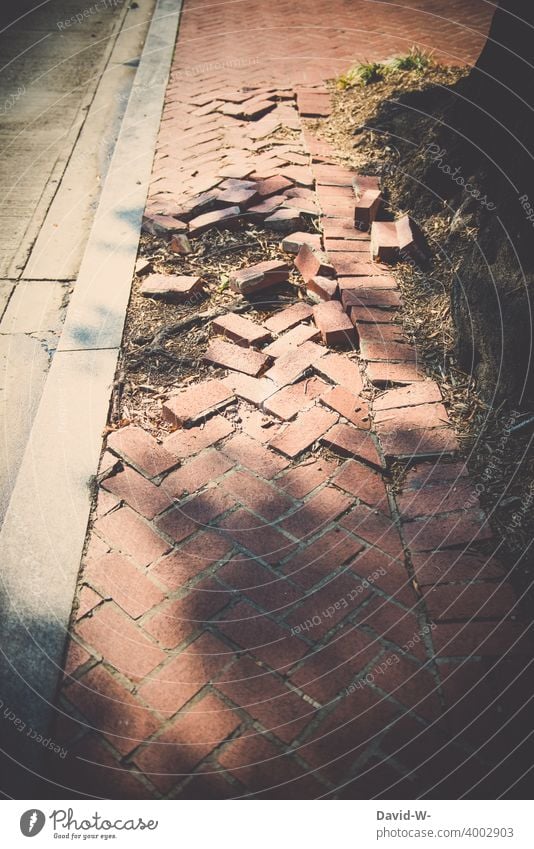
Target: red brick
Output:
[
  {"x": 268, "y": 701},
  {"x": 335, "y": 326},
  {"x": 259, "y": 276},
  {"x": 284, "y": 220},
  {"x": 488, "y": 639},
  {"x": 141, "y": 450},
  {"x": 252, "y": 389},
  {"x": 412, "y": 685},
  {"x": 202, "y": 662},
  {"x": 321, "y": 288},
  {"x": 393, "y": 624},
  {"x": 258, "y": 537},
  {"x": 192, "y": 736},
  {"x": 320, "y": 509},
  {"x": 421, "y": 443},
  {"x": 436, "y": 498},
  {"x": 130, "y": 534},
  {"x": 292, "y": 366},
  {"x": 240, "y": 330},
  {"x": 343, "y": 228},
  {"x": 262, "y": 637},
  {"x": 300, "y": 175},
  {"x": 227, "y": 355},
  {"x": 330, "y": 669},
  {"x": 76, "y": 657},
  {"x": 239, "y": 197},
  {"x": 90, "y": 764},
  {"x": 292, "y": 244},
  {"x": 341, "y": 370},
  {"x": 320, "y": 559},
  {"x": 196, "y": 402},
  {"x": 184, "y": 443},
  {"x": 445, "y": 566},
  {"x": 385, "y": 241},
  {"x": 116, "y": 577},
  {"x": 249, "y": 453},
  {"x": 112, "y": 710},
  {"x": 87, "y": 601},
  {"x": 348, "y": 405},
  {"x": 375, "y": 528},
  {"x": 344, "y": 193},
  {"x": 258, "y": 495},
  {"x": 285, "y": 319},
  {"x": 382, "y": 297},
  {"x": 446, "y": 531},
  {"x": 260, "y": 211},
  {"x": 121, "y": 643},
  {"x": 205, "y": 467},
  {"x": 307, "y": 206},
  {"x": 300, "y": 435},
  {"x": 348, "y": 441},
  {"x": 333, "y": 175},
  {"x": 170, "y": 286},
  {"x": 383, "y": 373},
  {"x": 309, "y": 474},
  {"x": 290, "y": 400},
  {"x": 225, "y": 218},
  {"x": 258, "y": 425},
  {"x": 387, "y": 573},
  {"x": 327, "y": 607},
  {"x": 191, "y": 559},
  {"x": 427, "y": 392},
  {"x": 314, "y": 104},
  {"x": 372, "y": 315},
  {"x": 162, "y": 225},
  {"x": 313, "y": 263},
  {"x": 470, "y": 601},
  {"x": 412, "y": 418},
  {"x": 367, "y": 207},
  {"x": 363, "y": 483},
  {"x": 427, "y": 474},
  {"x": 273, "y": 185},
  {"x": 183, "y": 520},
  {"x": 249, "y": 578},
  {"x": 292, "y": 339},
  {"x": 178, "y": 619}
]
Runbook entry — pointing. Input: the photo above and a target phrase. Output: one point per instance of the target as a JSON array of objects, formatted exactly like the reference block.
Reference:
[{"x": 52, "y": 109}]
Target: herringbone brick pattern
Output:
[{"x": 261, "y": 612}]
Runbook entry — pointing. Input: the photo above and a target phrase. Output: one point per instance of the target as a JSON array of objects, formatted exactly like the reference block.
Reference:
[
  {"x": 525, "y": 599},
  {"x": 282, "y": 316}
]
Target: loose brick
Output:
[
  {"x": 420, "y": 443},
  {"x": 290, "y": 400},
  {"x": 253, "y": 389},
  {"x": 140, "y": 449},
  {"x": 239, "y": 197},
  {"x": 191, "y": 737},
  {"x": 240, "y": 330},
  {"x": 120, "y": 642},
  {"x": 359, "y": 268},
  {"x": 292, "y": 366},
  {"x": 196, "y": 402},
  {"x": 381, "y": 298},
  {"x": 314, "y": 104},
  {"x": 386, "y": 350},
  {"x": 412, "y": 418},
  {"x": 205, "y": 467},
  {"x": 390, "y": 240},
  {"x": 335, "y": 326},
  {"x": 321, "y": 288},
  {"x": 126, "y": 531},
  {"x": 284, "y": 220},
  {"x": 224, "y": 218},
  {"x": 288, "y": 318},
  {"x": 249, "y": 453},
  {"x": 307, "y": 428},
  {"x": 291, "y": 340},
  {"x": 88, "y": 599},
  {"x": 340, "y": 370},
  {"x": 180, "y": 244},
  {"x": 357, "y": 248},
  {"x": 260, "y": 211},
  {"x": 367, "y": 207},
  {"x": 313, "y": 263},
  {"x": 343, "y": 228},
  {"x": 333, "y": 175},
  {"x": 428, "y": 474},
  {"x": 116, "y": 577},
  {"x": 383, "y": 373},
  {"x": 348, "y": 441},
  {"x": 170, "y": 286},
  {"x": 363, "y": 483},
  {"x": 273, "y": 185},
  {"x": 143, "y": 496},
  {"x": 372, "y": 315},
  {"x": 162, "y": 225},
  {"x": 97, "y": 695},
  {"x": 320, "y": 559},
  {"x": 427, "y": 392},
  {"x": 227, "y": 355},
  {"x": 293, "y": 243},
  {"x": 184, "y": 443},
  {"x": 305, "y": 206},
  {"x": 191, "y": 559},
  {"x": 259, "y": 276},
  {"x": 347, "y": 405}
]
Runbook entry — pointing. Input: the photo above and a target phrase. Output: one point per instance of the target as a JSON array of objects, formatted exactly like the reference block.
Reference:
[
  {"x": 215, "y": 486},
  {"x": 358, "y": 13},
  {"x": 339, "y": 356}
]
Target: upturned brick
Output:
[
  {"x": 224, "y": 218},
  {"x": 259, "y": 276},
  {"x": 240, "y": 330},
  {"x": 163, "y": 225},
  {"x": 391, "y": 239},
  {"x": 313, "y": 263},
  {"x": 292, "y": 244},
  {"x": 334, "y": 324},
  {"x": 321, "y": 289},
  {"x": 366, "y": 208},
  {"x": 171, "y": 287},
  {"x": 307, "y": 428},
  {"x": 197, "y": 402},
  {"x": 227, "y": 355},
  {"x": 284, "y": 220}
]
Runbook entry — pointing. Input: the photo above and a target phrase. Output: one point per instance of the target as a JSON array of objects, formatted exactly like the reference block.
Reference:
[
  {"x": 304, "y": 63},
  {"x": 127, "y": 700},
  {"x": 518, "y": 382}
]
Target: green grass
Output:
[{"x": 366, "y": 73}]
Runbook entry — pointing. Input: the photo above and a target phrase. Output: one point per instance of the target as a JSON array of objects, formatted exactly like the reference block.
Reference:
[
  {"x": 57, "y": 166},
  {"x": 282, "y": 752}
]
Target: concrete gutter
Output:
[{"x": 41, "y": 541}]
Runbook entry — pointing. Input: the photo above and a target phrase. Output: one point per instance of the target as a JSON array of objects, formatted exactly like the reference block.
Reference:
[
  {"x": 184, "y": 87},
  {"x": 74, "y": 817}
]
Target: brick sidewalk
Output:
[{"x": 260, "y": 611}]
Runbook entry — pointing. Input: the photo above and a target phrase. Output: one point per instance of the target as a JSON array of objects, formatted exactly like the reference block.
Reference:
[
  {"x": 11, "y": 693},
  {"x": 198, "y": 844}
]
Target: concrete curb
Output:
[{"x": 42, "y": 538}]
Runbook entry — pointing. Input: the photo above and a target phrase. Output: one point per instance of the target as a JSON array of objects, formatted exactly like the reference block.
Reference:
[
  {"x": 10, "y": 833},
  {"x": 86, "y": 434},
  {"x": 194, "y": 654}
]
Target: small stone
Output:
[{"x": 180, "y": 244}]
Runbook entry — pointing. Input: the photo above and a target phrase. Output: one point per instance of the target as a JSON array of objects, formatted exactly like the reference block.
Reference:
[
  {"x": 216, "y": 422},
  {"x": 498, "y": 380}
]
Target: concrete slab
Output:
[
  {"x": 6, "y": 288},
  {"x": 35, "y": 307}
]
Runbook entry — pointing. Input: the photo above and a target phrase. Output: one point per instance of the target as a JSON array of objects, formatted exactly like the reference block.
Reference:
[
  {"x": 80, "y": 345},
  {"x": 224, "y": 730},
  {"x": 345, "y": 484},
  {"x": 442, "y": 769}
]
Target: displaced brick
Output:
[
  {"x": 285, "y": 319},
  {"x": 385, "y": 299},
  {"x": 253, "y": 389},
  {"x": 184, "y": 443},
  {"x": 419, "y": 443},
  {"x": 384, "y": 373},
  {"x": 240, "y": 330},
  {"x": 348, "y": 405},
  {"x": 367, "y": 207},
  {"x": 292, "y": 366},
  {"x": 180, "y": 244},
  {"x": 142, "y": 495},
  {"x": 348, "y": 441},
  {"x": 290, "y": 400},
  {"x": 196, "y": 402},
  {"x": 292, "y": 339},
  {"x": 427, "y": 392},
  {"x": 272, "y": 186},
  {"x": 206, "y": 467},
  {"x": 307, "y": 428},
  {"x": 293, "y": 243},
  {"x": 339, "y": 369},
  {"x": 412, "y": 418},
  {"x": 313, "y": 263},
  {"x": 124, "y": 530},
  {"x": 225, "y": 218},
  {"x": 364, "y": 483},
  {"x": 170, "y": 286},
  {"x": 321, "y": 288},
  {"x": 334, "y": 324},
  {"x": 248, "y": 452},
  {"x": 162, "y": 225},
  {"x": 259, "y": 276},
  {"x": 227, "y": 355},
  {"x": 284, "y": 220}
]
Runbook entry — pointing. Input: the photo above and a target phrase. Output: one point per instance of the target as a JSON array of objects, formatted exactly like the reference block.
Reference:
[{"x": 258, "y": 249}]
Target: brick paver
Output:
[{"x": 261, "y": 611}]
